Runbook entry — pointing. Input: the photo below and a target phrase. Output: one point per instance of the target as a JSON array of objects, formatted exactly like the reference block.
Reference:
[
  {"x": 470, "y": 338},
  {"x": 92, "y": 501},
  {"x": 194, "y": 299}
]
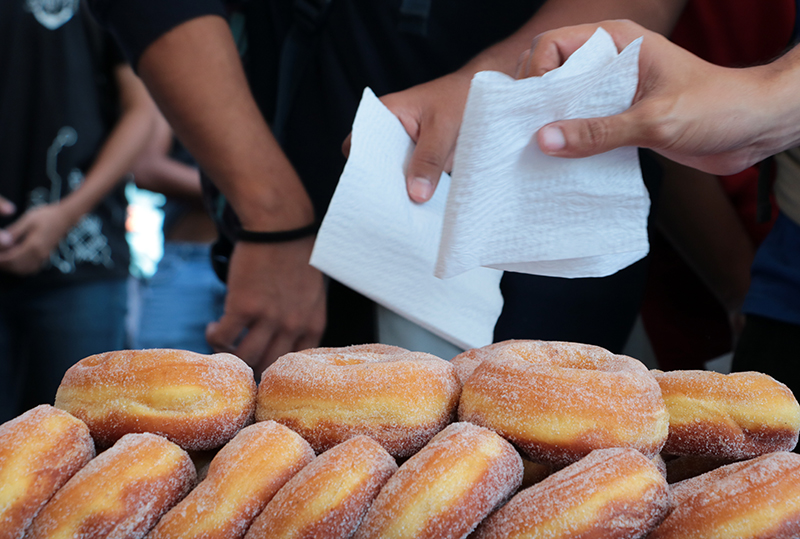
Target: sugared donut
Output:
[
  {"x": 447, "y": 488},
  {"x": 757, "y": 498},
  {"x": 39, "y": 451},
  {"x": 197, "y": 401},
  {"x": 611, "y": 493},
  {"x": 559, "y": 401},
  {"x": 242, "y": 478},
  {"x": 121, "y": 493},
  {"x": 327, "y": 395},
  {"x": 734, "y": 416},
  {"x": 327, "y": 498},
  {"x": 467, "y": 361}
]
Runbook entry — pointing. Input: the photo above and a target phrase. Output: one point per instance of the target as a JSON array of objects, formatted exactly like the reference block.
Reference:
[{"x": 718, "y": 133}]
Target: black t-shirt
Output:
[{"x": 58, "y": 103}]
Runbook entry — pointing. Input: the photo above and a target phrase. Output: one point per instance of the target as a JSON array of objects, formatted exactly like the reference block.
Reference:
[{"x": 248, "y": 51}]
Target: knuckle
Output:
[{"x": 594, "y": 134}]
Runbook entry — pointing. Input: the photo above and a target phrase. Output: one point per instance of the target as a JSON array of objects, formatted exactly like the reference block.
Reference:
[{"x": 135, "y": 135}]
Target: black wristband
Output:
[{"x": 279, "y": 236}]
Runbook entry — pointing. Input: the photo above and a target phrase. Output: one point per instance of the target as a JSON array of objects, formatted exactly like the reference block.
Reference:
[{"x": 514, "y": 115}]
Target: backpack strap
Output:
[{"x": 298, "y": 47}]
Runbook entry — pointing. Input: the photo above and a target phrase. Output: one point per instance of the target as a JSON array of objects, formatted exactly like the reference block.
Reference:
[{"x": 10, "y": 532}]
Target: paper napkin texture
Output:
[
  {"x": 378, "y": 242},
  {"x": 514, "y": 208}
]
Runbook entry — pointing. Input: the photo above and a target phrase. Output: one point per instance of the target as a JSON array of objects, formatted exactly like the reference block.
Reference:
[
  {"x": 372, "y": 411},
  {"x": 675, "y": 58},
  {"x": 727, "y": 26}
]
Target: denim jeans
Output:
[
  {"x": 176, "y": 304},
  {"x": 45, "y": 330}
]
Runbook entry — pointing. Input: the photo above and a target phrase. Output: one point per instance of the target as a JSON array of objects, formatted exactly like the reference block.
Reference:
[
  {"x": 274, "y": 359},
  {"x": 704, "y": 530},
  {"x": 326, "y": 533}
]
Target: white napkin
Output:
[
  {"x": 378, "y": 242},
  {"x": 513, "y": 208}
]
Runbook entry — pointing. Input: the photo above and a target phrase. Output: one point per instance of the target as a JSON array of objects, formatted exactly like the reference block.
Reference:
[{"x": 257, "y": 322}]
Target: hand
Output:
[
  {"x": 25, "y": 246},
  {"x": 274, "y": 296},
  {"x": 431, "y": 114},
  {"x": 708, "y": 117}
]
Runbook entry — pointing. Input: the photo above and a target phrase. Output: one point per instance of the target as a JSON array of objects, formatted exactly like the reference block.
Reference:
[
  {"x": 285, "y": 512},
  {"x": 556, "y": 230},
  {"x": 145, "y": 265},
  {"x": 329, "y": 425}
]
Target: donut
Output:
[
  {"x": 730, "y": 416},
  {"x": 611, "y": 493},
  {"x": 327, "y": 395},
  {"x": 756, "y": 498},
  {"x": 558, "y": 401},
  {"x": 327, "y": 498},
  {"x": 446, "y": 489},
  {"x": 39, "y": 451},
  {"x": 242, "y": 478},
  {"x": 197, "y": 401},
  {"x": 121, "y": 493},
  {"x": 467, "y": 361}
]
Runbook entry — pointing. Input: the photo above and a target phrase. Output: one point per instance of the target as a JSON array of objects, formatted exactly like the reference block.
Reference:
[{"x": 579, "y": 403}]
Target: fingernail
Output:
[
  {"x": 420, "y": 189},
  {"x": 7, "y": 207},
  {"x": 6, "y": 240},
  {"x": 552, "y": 139}
]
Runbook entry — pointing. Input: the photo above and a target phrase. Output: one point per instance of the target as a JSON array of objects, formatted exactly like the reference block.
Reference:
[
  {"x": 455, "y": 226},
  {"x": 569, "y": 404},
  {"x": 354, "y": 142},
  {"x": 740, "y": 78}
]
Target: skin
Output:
[
  {"x": 276, "y": 301},
  {"x": 715, "y": 119},
  {"x": 26, "y": 244}
]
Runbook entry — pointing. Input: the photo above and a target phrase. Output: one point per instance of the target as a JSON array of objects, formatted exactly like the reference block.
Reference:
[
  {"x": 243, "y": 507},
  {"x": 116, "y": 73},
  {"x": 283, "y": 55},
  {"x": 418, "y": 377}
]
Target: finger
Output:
[
  {"x": 346, "y": 145},
  {"x": 7, "y": 208},
  {"x": 280, "y": 345},
  {"x": 6, "y": 239},
  {"x": 433, "y": 150},
  {"x": 589, "y": 136},
  {"x": 224, "y": 334}
]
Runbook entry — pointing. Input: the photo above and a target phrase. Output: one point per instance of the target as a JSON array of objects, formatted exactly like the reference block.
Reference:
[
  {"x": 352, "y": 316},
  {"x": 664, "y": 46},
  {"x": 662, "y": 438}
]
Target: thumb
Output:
[
  {"x": 430, "y": 157},
  {"x": 585, "y": 137}
]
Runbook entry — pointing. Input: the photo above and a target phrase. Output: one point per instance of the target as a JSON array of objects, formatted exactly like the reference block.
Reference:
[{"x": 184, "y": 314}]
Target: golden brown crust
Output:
[
  {"x": 121, "y": 493},
  {"x": 197, "y": 401},
  {"x": 242, "y": 478},
  {"x": 447, "y": 488},
  {"x": 327, "y": 498},
  {"x": 754, "y": 499},
  {"x": 612, "y": 493},
  {"x": 39, "y": 451},
  {"x": 557, "y": 402},
  {"x": 328, "y": 395},
  {"x": 734, "y": 416}
]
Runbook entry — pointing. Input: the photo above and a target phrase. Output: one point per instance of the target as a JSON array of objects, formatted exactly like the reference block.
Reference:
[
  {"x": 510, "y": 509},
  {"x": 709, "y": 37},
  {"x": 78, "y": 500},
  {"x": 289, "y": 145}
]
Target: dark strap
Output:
[
  {"x": 298, "y": 48},
  {"x": 280, "y": 236},
  {"x": 414, "y": 16}
]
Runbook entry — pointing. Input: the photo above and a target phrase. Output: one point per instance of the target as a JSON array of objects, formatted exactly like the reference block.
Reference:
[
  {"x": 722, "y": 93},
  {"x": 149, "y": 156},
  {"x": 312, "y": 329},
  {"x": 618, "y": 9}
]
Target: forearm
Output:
[
  {"x": 776, "y": 94},
  {"x": 122, "y": 146},
  {"x": 657, "y": 15},
  {"x": 195, "y": 75}
]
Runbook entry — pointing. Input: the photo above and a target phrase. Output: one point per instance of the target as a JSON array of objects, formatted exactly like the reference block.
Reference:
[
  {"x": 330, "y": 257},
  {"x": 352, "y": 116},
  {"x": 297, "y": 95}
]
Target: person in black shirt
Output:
[
  {"x": 73, "y": 116},
  {"x": 422, "y": 63}
]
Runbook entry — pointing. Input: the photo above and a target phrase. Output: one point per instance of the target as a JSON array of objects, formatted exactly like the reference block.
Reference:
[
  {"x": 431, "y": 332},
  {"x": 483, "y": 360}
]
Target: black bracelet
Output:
[{"x": 279, "y": 236}]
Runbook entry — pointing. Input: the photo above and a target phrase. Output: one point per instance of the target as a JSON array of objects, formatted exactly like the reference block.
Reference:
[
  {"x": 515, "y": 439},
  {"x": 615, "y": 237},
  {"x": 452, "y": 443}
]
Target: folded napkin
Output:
[
  {"x": 511, "y": 207},
  {"x": 378, "y": 242}
]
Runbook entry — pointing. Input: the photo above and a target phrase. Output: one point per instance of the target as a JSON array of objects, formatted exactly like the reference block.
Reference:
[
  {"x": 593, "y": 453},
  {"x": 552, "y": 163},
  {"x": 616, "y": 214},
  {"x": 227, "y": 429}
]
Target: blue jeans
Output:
[
  {"x": 176, "y": 304},
  {"x": 45, "y": 330}
]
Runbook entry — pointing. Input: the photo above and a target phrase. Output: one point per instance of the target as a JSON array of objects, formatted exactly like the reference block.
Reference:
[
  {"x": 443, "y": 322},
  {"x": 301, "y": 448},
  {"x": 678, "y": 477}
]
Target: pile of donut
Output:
[{"x": 517, "y": 439}]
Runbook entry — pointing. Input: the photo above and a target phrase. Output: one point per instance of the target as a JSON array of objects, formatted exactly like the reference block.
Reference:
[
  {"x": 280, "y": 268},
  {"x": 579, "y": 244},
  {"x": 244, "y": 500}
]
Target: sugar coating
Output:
[
  {"x": 197, "y": 401},
  {"x": 327, "y": 498},
  {"x": 733, "y": 416},
  {"x": 39, "y": 451},
  {"x": 447, "y": 488},
  {"x": 120, "y": 494},
  {"x": 328, "y": 395},
  {"x": 557, "y": 407},
  {"x": 242, "y": 478},
  {"x": 616, "y": 493},
  {"x": 751, "y": 499}
]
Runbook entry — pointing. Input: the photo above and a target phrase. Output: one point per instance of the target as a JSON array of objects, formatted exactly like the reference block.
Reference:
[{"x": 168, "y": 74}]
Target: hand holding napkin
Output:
[
  {"x": 514, "y": 208},
  {"x": 378, "y": 242}
]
